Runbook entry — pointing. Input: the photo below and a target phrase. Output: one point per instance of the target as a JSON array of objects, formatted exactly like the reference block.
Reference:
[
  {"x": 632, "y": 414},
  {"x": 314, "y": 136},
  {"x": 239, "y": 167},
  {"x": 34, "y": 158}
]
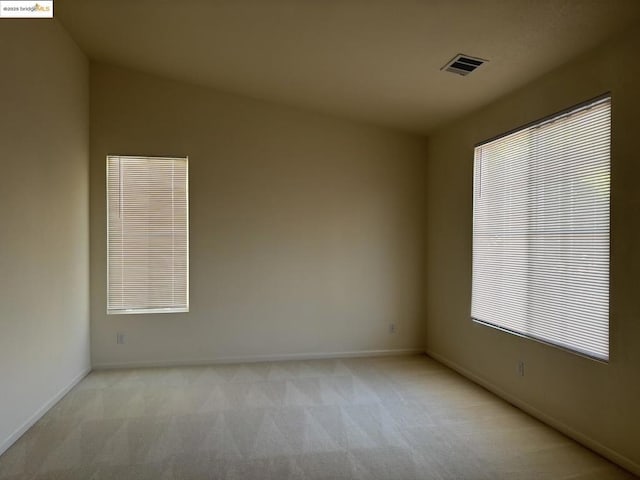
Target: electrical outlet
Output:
[
  {"x": 392, "y": 328},
  {"x": 521, "y": 368},
  {"x": 120, "y": 338}
]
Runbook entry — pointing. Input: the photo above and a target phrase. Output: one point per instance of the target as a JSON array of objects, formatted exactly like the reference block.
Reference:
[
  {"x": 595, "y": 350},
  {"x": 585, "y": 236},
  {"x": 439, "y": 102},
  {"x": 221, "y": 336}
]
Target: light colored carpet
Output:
[{"x": 379, "y": 418}]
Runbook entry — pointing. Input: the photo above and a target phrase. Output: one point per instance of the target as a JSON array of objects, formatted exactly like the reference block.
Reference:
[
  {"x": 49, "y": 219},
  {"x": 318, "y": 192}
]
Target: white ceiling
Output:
[{"x": 372, "y": 60}]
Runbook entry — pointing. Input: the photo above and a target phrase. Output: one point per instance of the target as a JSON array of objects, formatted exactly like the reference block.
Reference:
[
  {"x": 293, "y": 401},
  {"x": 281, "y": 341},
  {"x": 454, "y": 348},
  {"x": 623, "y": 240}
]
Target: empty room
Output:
[{"x": 304, "y": 239}]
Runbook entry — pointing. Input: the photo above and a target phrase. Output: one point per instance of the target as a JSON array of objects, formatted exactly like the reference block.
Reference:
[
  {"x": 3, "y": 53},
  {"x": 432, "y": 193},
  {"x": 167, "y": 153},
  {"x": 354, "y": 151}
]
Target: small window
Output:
[
  {"x": 147, "y": 234},
  {"x": 541, "y": 230}
]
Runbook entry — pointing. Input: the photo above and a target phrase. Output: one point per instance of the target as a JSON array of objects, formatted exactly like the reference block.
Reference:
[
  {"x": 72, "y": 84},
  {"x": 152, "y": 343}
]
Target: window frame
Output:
[
  {"x": 603, "y": 98},
  {"x": 148, "y": 310}
]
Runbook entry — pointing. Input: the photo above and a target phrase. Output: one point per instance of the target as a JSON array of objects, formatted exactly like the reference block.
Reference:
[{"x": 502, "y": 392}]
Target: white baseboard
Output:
[
  {"x": 258, "y": 358},
  {"x": 570, "y": 432},
  {"x": 11, "y": 439}
]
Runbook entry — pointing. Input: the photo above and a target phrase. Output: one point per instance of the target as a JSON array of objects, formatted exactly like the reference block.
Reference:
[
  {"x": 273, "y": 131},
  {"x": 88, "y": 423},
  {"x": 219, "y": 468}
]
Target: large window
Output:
[
  {"x": 541, "y": 230},
  {"x": 147, "y": 234}
]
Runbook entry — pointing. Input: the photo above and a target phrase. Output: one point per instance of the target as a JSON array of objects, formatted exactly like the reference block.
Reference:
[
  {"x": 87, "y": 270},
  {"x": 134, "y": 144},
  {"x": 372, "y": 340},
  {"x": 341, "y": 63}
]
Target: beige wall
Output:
[
  {"x": 595, "y": 402},
  {"x": 44, "y": 239},
  {"x": 306, "y": 231}
]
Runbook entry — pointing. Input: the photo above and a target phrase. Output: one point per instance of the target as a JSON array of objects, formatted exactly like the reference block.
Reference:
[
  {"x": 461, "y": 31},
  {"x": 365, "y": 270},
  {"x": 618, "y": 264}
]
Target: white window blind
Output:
[
  {"x": 541, "y": 231},
  {"x": 147, "y": 234}
]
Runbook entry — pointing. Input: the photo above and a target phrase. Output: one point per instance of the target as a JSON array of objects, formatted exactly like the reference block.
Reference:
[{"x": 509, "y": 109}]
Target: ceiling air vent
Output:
[{"x": 463, "y": 64}]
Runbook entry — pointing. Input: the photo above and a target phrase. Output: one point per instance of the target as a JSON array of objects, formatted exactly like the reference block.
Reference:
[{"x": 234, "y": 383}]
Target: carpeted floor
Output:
[{"x": 395, "y": 418}]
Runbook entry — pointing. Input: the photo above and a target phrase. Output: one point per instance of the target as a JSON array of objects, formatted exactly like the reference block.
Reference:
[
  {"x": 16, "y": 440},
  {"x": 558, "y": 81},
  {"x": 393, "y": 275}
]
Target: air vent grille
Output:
[{"x": 463, "y": 64}]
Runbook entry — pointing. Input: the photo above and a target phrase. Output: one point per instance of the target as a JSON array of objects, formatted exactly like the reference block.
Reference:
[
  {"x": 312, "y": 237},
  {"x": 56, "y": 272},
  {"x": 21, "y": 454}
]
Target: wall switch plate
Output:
[
  {"x": 521, "y": 368},
  {"x": 392, "y": 328},
  {"x": 120, "y": 338}
]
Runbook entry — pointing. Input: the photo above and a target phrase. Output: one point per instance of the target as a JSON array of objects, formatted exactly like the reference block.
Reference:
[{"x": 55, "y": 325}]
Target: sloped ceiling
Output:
[{"x": 372, "y": 60}]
